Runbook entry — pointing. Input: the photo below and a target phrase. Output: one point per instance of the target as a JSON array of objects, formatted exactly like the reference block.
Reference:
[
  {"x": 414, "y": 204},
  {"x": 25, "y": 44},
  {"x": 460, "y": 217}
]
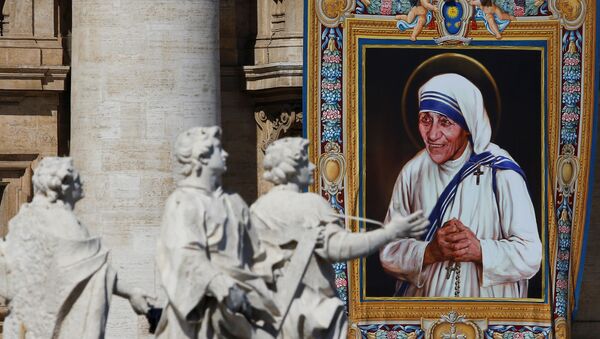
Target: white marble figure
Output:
[
  {"x": 303, "y": 236},
  {"x": 206, "y": 250},
  {"x": 56, "y": 277}
]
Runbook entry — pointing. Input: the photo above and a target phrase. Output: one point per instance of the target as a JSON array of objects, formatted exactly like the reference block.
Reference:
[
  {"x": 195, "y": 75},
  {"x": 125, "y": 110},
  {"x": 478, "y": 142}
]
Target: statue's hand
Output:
[
  {"x": 413, "y": 226},
  {"x": 140, "y": 301}
]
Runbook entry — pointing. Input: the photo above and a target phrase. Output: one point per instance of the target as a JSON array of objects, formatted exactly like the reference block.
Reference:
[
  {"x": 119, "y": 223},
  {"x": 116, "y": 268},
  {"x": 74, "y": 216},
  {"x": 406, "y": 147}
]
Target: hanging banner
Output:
[{"x": 480, "y": 113}]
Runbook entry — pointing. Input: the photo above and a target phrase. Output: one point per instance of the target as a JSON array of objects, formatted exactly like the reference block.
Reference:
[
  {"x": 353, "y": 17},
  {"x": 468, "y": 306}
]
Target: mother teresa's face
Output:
[{"x": 444, "y": 139}]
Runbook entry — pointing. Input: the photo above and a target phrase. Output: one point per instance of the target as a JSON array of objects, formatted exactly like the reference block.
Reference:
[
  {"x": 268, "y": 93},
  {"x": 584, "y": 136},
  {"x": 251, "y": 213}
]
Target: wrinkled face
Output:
[
  {"x": 217, "y": 162},
  {"x": 444, "y": 139}
]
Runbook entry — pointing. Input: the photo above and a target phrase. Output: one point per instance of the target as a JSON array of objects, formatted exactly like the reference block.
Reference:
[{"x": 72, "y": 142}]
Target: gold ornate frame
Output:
[{"x": 568, "y": 170}]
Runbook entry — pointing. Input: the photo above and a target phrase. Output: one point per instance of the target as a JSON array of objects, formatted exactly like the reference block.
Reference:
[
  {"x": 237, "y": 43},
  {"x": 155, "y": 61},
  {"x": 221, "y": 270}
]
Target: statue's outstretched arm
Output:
[{"x": 344, "y": 245}]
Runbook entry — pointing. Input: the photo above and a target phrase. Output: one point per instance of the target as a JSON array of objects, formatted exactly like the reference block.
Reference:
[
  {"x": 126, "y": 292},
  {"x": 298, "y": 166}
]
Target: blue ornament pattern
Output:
[
  {"x": 383, "y": 331},
  {"x": 331, "y": 126}
]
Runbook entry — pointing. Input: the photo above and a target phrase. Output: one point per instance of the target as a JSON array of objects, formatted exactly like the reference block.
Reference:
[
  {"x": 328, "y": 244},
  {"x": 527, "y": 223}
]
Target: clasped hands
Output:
[{"x": 455, "y": 242}]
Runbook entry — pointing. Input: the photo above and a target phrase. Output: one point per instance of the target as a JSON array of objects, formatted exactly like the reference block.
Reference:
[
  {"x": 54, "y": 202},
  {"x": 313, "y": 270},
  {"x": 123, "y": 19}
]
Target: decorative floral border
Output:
[
  {"x": 391, "y": 332},
  {"x": 388, "y": 331},
  {"x": 570, "y": 119},
  {"x": 517, "y": 332},
  {"x": 331, "y": 127}
]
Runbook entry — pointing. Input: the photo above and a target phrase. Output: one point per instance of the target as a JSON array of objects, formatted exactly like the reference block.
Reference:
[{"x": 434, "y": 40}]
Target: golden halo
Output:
[{"x": 457, "y": 63}]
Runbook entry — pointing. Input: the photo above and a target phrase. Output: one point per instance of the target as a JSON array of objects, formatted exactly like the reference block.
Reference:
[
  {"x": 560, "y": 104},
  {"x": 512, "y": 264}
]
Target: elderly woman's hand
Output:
[
  {"x": 465, "y": 245},
  {"x": 440, "y": 247}
]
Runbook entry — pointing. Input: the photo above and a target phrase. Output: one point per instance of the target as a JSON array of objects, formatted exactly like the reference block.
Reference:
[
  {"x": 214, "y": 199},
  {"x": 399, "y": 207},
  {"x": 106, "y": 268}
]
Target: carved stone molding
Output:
[
  {"x": 274, "y": 122},
  {"x": 279, "y": 44},
  {"x": 270, "y": 126},
  {"x": 278, "y": 16},
  {"x": 275, "y": 79},
  {"x": 33, "y": 78},
  {"x": 274, "y": 75},
  {"x": 28, "y": 18}
]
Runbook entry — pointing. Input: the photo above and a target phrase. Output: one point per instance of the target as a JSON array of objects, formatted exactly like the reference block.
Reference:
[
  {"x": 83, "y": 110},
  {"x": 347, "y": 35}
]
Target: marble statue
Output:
[
  {"x": 56, "y": 277},
  {"x": 303, "y": 236},
  {"x": 206, "y": 251}
]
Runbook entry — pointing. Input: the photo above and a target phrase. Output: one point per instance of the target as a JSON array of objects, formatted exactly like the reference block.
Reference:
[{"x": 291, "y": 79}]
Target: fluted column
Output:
[{"x": 142, "y": 71}]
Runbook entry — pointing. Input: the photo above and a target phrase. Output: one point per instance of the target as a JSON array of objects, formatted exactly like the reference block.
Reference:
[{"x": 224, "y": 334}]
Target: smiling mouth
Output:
[{"x": 435, "y": 146}]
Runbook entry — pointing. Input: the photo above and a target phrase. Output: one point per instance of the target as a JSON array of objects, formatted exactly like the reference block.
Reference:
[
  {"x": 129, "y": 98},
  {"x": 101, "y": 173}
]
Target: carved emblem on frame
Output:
[
  {"x": 568, "y": 170},
  {"x": 453, "y": 17},
  {"x": 570, "y": 12},
  {"x": 332, "y": 167},
  {"x": 332, "y": 12},
  {"x": 454, "y": 326}
]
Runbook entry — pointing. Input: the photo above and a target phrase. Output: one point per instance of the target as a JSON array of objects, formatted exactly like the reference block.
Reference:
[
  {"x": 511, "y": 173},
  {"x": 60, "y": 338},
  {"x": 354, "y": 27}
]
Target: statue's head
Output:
[
  {"x": 55, "y": 178},
  {"x": 286, "y": 161},
  {"x": 199, "y": 149}
]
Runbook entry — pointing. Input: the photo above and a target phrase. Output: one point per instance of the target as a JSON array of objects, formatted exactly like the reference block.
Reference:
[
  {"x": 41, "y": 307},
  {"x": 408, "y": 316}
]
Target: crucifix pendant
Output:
[
  {"x": 478, "y": 172},
  {"x": 449, "y": 269},
  {"x": 454, "y": 267}
]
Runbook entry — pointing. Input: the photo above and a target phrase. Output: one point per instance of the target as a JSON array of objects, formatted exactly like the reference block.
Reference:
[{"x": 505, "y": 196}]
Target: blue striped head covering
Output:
[
  {"x": 438, "y": 102},
  {"x": 457, "y": 98}
]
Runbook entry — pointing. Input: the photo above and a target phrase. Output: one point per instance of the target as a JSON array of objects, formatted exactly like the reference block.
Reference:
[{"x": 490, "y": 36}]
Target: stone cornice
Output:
[
  {"x": 273, "y": 75},
  {"x": 33, "y": 78},
  {"x": 31, "y": 42}
]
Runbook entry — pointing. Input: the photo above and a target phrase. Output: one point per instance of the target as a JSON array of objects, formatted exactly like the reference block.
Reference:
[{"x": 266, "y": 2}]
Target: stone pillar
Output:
[{"x": 142, "y": 71}]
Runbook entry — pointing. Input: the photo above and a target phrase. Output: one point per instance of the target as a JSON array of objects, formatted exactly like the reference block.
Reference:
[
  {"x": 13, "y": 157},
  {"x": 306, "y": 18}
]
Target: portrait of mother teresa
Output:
[{"x": 483, "y": 237}]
